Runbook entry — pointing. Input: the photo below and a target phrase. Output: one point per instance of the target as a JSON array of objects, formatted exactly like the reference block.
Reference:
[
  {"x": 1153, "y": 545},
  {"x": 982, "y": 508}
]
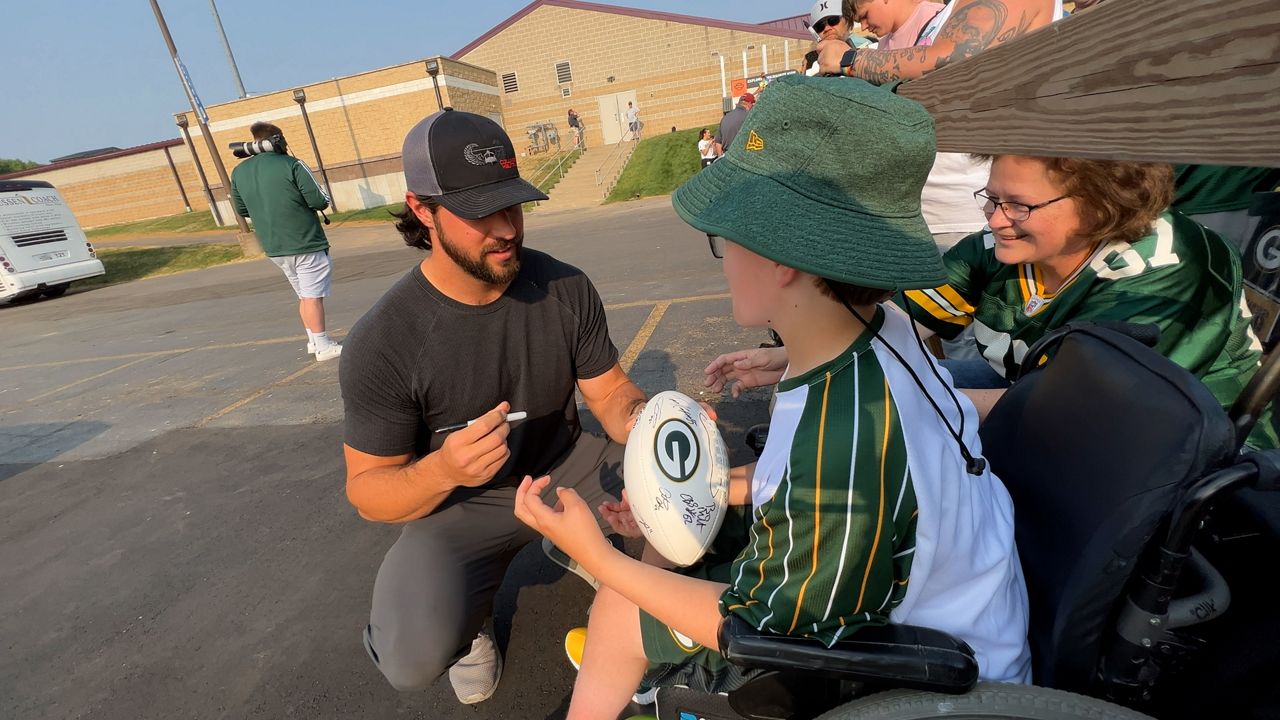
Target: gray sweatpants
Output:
[{"x": 437, "y": 582}]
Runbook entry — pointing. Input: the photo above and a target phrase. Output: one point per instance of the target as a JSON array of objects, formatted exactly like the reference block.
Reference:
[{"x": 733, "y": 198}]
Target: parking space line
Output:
[
  {"x": 257, "y": 394},
  {"x": 670, "y": 301},
  {"x": 642, "y": 337},
  {"x": 81, "y": 381},
  {"x": 155, "y": 353}
]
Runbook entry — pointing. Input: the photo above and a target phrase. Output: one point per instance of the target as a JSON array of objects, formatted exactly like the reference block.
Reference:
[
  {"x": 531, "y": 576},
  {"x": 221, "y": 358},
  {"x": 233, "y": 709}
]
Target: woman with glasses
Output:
[{"x": 1071, "y": 239}]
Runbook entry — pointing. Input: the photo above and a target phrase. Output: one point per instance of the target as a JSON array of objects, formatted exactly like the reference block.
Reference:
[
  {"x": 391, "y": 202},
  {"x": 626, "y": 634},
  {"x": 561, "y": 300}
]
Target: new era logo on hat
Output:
[{"x": 466, "y": 163}]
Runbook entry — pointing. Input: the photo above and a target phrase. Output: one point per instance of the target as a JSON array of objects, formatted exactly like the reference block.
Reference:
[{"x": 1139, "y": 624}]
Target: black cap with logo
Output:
[{"x": 466, "y": 163}]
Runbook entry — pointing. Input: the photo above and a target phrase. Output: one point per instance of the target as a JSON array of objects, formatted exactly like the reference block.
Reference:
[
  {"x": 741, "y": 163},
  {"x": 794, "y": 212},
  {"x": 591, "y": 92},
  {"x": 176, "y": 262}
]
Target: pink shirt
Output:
[{"x": 905, "y": 36}]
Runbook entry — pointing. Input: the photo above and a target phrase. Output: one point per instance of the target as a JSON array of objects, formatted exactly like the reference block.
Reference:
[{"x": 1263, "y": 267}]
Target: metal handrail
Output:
[
  {"x": 619, "y": 155},
  {"x": 560, "y": 158}
]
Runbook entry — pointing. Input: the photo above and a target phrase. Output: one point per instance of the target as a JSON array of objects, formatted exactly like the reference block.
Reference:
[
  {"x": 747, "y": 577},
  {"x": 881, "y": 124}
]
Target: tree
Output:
[{"x": 8, "y": 165}]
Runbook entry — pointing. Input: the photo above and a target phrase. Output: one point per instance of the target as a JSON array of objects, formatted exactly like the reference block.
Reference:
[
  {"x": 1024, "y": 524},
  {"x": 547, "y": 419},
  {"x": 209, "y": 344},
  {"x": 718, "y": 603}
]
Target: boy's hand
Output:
[
  {"x": 620, "y": 518},
  {"x": 746, "y": 369},
  {"x": 570, "y": 525},
  {"x": 470, "y": 457}
]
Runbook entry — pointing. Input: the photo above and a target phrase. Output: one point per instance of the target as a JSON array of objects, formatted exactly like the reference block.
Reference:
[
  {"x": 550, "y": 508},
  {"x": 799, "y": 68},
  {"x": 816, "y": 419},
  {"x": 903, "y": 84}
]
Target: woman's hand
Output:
[
  {"x": 620, "y": 518},
  {"x": 746, "y": 369},
  {"x": 570, "y": 525}
]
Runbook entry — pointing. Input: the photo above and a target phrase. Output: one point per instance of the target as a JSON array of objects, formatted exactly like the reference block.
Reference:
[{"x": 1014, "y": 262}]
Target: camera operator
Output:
[{"x": 279, "y": 193}]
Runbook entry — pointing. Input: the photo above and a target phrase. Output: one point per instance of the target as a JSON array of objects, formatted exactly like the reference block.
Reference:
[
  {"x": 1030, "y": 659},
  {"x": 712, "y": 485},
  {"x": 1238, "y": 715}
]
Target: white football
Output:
[{"x": 676, "y": 471}]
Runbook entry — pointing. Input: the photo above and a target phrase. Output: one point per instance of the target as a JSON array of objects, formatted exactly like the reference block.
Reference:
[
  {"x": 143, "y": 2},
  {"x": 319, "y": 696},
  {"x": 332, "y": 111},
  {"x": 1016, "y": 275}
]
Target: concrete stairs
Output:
[{"x": 578, "y": 188}]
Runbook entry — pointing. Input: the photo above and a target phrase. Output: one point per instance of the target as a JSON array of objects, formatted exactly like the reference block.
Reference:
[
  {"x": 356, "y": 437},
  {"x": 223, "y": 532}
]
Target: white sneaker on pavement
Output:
[
  {"x": 475, "y": 677},
  {"x": 328, "y": 353}
]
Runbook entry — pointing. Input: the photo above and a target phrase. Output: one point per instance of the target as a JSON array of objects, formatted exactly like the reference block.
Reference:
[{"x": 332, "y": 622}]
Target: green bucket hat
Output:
[{"x": 825, "y": 177}]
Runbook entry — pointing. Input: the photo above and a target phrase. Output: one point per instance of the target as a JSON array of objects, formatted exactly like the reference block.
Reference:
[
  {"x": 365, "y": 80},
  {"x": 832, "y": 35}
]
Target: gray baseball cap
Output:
[{"x": 466, "y": 163}]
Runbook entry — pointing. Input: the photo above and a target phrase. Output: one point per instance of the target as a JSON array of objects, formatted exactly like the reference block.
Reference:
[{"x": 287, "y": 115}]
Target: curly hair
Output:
[
  {"x": 415, "y": 232},
  {"x": 1119, "y": 200}
]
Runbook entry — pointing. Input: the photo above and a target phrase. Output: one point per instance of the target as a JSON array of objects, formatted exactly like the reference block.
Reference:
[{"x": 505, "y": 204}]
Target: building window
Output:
[
  {"x": 509, "y": 83},
  {"x": 566, "y": 91},
  {"x": 564, "y": 74}
]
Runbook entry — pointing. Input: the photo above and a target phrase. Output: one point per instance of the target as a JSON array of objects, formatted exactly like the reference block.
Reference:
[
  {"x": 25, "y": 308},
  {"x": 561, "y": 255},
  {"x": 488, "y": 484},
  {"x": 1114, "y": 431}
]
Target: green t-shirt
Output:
[
  {"x": 1203, "y": 189},
  {"x": 279, "y": 193},
  {"x": 1181, "y": 277}
]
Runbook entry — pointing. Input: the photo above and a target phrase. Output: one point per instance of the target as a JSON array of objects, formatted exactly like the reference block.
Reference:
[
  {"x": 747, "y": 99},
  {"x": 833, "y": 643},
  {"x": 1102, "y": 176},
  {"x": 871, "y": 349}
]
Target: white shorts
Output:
[{"x": 308, "y": 274}]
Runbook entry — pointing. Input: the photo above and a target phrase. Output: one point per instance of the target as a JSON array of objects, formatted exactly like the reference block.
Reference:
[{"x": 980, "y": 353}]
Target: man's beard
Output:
[{"x": 476, "y": 267}]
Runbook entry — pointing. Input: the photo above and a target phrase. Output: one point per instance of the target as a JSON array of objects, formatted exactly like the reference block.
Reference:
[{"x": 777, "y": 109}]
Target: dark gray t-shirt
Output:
[
  {"x": 419, "y": 360},
  {"x": 730, "y": 125}
]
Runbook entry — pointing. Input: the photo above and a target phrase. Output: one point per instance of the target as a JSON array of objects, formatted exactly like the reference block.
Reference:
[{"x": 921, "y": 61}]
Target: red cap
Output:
[{"x": 747, "y": 97}]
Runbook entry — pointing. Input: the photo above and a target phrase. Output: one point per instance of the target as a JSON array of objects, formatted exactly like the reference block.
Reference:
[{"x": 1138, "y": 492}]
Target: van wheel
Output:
[
  {"x": 1001, "y": 701},
  {"x": 55, "y": 290}
]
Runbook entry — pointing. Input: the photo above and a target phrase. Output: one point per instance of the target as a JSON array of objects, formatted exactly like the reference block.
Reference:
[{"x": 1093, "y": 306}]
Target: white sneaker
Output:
[
  {"x": 311, "y": 348},
  {"x": 475, "y": 677},
  {"x": 329, "y": 353}
]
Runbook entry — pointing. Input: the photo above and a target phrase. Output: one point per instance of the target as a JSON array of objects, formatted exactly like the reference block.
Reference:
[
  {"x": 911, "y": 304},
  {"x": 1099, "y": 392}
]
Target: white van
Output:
[{"x": 42, "y": 248}]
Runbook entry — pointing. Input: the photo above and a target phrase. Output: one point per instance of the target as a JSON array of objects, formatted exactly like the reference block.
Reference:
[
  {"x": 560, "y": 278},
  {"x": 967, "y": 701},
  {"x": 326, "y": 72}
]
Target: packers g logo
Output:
[
  {"x": 675, "y": 448},
  {"x": 1266, "y": 251}
]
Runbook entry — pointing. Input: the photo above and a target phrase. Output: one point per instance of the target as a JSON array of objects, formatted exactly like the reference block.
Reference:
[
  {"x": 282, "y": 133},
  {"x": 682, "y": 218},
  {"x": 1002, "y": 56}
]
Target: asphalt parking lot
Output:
[{"x": 175, "y": 540}]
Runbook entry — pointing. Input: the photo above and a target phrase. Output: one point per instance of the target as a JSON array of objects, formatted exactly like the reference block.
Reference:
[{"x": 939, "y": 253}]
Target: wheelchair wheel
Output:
[{"x": 987, "y": 700}]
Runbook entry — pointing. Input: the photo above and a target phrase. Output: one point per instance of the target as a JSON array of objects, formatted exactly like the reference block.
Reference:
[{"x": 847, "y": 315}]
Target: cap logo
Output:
[
  {"x": 755, "y": 143},
  {"x": 477, "y": 155}
]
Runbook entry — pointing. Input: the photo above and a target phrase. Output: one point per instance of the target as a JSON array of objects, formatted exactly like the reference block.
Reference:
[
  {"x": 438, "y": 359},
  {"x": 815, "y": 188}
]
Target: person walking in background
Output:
[
  {"x": 633, "y": 120},
  {"x": 575, "y": 123},
  {"x": 706, "y": 147},
  {"x": 280, "y": 195}
]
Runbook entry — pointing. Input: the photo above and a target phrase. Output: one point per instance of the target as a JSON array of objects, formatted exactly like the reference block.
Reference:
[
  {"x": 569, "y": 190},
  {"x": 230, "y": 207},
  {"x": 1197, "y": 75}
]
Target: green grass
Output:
[
  {"x": 134, "y": 263},
  {"x": 172, "y": 225},
  {"x": 660, "y": 164},
  {"x": 373, "y": 214}
]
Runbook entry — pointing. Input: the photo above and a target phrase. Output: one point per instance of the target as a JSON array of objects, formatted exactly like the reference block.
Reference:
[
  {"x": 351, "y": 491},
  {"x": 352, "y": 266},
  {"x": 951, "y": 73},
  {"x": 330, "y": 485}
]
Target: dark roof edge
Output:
[
  {"x": 136, "y": 150},
  {"x": 632, "y": 12}
]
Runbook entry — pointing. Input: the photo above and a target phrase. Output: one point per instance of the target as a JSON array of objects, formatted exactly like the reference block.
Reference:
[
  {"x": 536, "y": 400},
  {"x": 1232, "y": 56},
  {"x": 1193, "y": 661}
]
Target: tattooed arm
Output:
[{"x": 974, "y": 26}]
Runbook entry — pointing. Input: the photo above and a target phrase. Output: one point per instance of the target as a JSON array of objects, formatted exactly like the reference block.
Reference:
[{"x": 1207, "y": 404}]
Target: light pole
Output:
[
  {"x": 433, "y": 69},
  {"x": 724, "y": 87},
  {"x": 300, "y": 97},
  {"x": 198, "y": 110},
  {"x": 181, "y": 120},
  {"x": 235, "y": 71}
]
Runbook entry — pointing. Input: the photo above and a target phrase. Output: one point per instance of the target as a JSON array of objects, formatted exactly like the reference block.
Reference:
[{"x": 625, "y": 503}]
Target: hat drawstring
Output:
[{"x": 973, "y": 465}]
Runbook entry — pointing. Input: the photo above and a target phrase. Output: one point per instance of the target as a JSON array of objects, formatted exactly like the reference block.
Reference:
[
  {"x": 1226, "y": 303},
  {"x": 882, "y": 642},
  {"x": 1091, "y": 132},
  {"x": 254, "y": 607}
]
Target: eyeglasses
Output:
[
  {"x": 826, "y": 22},
  {"x": 717, "y": 246},
  {"x": 1017, "y": 212}
]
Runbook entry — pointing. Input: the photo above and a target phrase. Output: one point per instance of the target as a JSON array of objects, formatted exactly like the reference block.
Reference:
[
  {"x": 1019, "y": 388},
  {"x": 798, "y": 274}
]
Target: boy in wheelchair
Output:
[{"x": 871, "y": 505}]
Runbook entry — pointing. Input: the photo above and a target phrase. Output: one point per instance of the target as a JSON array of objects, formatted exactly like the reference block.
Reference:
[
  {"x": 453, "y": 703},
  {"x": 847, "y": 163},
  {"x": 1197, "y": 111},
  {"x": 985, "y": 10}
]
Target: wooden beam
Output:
[{"x": 1187, "y": 81}]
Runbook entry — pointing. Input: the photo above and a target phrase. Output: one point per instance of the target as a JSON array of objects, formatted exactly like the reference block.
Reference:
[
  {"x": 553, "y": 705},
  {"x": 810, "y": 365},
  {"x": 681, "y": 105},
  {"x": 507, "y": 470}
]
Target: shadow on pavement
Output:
[{"x": 26, "y": 446}]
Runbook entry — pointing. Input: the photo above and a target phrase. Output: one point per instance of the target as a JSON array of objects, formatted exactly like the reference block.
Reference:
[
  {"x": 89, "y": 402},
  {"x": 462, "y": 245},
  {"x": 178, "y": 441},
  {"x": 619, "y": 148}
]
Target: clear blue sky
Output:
[{"x": 85, "y": 74}]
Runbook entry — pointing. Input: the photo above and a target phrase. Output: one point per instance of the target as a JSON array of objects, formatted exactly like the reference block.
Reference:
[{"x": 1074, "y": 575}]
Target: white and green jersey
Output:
[
  {"x": 864, "y": 513},
  {"x": 1181, "y": 277}
]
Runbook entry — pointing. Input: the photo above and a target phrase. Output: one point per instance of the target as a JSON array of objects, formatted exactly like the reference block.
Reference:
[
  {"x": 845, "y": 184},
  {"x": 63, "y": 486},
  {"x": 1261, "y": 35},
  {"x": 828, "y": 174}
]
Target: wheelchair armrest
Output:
[{"x": 899, "y": 656}]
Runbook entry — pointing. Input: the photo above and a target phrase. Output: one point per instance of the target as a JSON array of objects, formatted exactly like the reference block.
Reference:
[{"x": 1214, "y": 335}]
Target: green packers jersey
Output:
[
  {"x": 863, "y": 512},
  {"x": 834, "y": 528},
  {"x": 1181, "y": 277}
]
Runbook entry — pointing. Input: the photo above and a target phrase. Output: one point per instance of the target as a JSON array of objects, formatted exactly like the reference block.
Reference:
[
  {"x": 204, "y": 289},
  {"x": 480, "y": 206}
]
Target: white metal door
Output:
[{"x": 613, "y": 115}]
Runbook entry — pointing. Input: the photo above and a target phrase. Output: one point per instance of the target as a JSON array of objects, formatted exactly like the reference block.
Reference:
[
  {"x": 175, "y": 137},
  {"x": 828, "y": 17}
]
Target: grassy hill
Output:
[{"x": 660, "y": 164}]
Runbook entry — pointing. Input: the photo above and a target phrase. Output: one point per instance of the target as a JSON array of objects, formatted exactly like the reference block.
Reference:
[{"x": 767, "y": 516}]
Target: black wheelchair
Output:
[{"x": 1146, "y": 538}]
